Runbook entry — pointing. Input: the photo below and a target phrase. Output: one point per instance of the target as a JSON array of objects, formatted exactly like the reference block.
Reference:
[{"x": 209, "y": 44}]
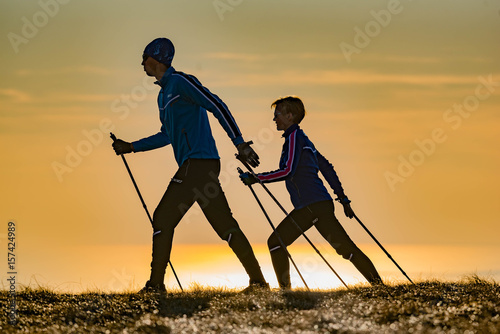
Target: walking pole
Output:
[
  {"x": 275, "y": 232},
  {"x": 382, "y": 247},
  {"x": 293, "y": 220},
  {"x": 144, "y": 205}
]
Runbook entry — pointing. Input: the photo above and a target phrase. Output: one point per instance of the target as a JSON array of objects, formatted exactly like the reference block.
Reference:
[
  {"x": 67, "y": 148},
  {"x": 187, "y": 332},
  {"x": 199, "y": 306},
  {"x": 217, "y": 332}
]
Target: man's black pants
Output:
[
  {"x": 197, "y": 180},
  {"x": 321, "y": 215}
]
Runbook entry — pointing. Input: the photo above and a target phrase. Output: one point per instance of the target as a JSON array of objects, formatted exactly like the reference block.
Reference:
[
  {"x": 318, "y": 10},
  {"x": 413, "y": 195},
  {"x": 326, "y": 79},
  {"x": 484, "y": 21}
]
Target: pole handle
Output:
[{"x": 112, "y": 136}]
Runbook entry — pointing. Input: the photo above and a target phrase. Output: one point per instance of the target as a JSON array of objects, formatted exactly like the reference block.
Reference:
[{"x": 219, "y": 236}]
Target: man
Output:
[
  {"x": 183, "y": 104},
  {"x": 313, "y": 206}
]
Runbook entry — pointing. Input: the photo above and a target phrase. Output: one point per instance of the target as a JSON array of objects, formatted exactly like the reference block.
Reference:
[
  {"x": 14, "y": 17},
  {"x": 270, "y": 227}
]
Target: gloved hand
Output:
[
  {"x": 122, "y": 147},
  {"x": 247, "y": 154},
  {"x": 248, "y": 179},
  {"x": 347, "y": 206}
]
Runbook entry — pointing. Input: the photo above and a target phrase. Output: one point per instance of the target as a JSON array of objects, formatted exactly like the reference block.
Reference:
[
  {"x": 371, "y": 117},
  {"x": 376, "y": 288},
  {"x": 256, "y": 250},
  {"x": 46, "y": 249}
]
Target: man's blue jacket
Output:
[
  {"x": 299, "y": 166},
  {"x": 183, "y": 102}
]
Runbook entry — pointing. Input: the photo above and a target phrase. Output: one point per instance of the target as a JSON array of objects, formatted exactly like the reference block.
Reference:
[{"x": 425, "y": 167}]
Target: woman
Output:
[{"x": 313, "y": 205}]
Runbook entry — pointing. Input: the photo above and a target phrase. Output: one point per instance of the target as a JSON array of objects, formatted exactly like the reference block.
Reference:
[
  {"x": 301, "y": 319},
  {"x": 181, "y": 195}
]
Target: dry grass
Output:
[{"x": 468, "y": 306}]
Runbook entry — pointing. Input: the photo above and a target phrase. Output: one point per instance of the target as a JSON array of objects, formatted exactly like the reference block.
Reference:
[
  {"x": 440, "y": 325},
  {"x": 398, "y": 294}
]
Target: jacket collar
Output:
[
  {"x": 164, "y": 80},
  {"x": 291, "y": 129}
]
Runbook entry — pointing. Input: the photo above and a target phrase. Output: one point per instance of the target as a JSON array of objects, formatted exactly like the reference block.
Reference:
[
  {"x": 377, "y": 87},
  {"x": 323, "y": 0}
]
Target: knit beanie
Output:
[{"x": 161, "y": 49}]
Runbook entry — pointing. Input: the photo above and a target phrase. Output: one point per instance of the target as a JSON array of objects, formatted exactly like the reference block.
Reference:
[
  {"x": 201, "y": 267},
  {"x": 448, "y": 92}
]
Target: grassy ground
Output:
[{"x": 470, "y": 306}]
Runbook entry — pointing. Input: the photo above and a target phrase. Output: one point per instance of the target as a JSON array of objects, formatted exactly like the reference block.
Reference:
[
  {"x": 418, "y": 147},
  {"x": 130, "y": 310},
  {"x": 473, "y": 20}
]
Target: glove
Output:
[
  {"x": 122, "y": 147},
  {"x": 248, "y": 179},
  {"x": 247, "y": 154},
  {"x": 347, "y": 206}
]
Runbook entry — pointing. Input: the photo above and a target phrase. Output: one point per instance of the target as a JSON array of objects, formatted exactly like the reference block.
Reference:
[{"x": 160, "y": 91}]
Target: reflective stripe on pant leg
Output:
[
  {"x": 274, "y": 248},
  {"x": 238, "y": 243},
  {"x": 229, "y": 234}
]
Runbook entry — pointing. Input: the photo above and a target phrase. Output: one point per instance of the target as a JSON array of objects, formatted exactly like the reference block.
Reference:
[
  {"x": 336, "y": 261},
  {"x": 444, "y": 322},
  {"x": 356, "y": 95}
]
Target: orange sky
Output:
[{"x": 402, "y": 97}]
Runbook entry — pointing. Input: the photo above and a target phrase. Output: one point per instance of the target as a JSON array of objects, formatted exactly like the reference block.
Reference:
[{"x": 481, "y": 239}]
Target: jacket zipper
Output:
[
  {"x": 189, "y": 146},
  {"x": 295, "y": 184},
  {"x": 187, "y": 167},
  {"x": 187, "y": 139}
]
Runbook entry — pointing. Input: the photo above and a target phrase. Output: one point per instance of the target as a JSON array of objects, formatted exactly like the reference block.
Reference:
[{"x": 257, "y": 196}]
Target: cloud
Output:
[
  {"x": 336, "y": 56},
  {"x": 253, "y": 57},
  {"x": 17, "y": 96},
  {"x": 85, "y": 69},
  {"x": 14, "y": 95},
  {"x": 338, "y": 77},
  {"x": 384, "y": 58},
  {"x": 247, "y": 57},
  {"x": 71, "y": 97}
]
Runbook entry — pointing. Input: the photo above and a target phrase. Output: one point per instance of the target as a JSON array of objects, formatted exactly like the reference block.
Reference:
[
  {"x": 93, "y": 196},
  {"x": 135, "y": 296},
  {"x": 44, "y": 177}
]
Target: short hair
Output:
[{"x": 293, "y": 105}]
